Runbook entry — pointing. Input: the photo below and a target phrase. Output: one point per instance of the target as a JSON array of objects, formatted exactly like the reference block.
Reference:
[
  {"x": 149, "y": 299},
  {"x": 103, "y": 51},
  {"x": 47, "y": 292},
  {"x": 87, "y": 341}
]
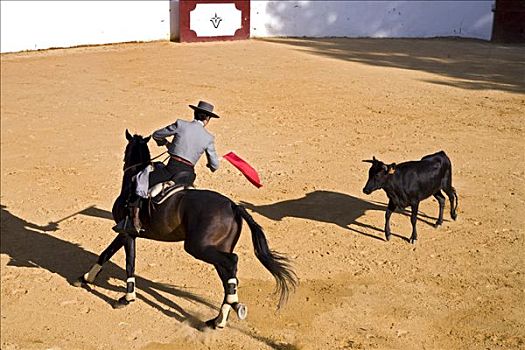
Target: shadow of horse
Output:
[
  {"x": 330, "y": 207},
  {"x": 31, "y": 245}
]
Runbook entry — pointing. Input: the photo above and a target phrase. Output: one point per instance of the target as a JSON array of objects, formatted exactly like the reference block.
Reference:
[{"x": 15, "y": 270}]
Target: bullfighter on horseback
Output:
[
  {"x": 208, "y": 223},
  {"x": 190, "y": 141}
]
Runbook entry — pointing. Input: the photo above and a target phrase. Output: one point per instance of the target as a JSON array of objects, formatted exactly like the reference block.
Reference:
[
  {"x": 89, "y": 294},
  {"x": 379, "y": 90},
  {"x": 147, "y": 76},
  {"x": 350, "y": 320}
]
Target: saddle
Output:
[
  {"x": 158, "y": 193},
  {"x": 162, "y": 191}
]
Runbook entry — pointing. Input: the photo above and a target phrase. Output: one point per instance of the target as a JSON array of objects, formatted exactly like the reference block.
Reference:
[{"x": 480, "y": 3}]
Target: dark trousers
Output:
[{"x": 176, "y": 171}]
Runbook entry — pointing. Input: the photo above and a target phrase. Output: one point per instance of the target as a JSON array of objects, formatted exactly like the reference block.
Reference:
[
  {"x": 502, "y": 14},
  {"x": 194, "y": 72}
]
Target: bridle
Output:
[{"x": 142, "y": 163}]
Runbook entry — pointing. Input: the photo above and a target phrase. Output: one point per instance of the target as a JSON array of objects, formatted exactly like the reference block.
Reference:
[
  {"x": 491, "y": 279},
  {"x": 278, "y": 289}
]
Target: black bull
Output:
[
  {"x": 407, "y": 184},
  {"x": 208, "y": 223}
]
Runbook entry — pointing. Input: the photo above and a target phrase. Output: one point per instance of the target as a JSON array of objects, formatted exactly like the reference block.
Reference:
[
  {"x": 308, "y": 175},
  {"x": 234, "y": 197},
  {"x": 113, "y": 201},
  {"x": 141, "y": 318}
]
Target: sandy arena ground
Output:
[{"x": 304, "y": 113}]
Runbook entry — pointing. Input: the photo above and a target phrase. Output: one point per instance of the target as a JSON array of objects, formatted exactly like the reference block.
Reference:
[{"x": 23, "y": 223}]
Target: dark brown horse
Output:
[{"x": 208, "y": 223}]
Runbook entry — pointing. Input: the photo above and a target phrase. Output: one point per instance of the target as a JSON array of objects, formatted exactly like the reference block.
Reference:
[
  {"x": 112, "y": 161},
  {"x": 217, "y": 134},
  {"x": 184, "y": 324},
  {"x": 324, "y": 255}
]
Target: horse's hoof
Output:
[
  {"x": 212, "y": 324},
  {"x": 241, "y": 310},
  {"x": 122, "y": 302},
  {"x": 413, "y": 241},
  {"x": 80, "y": 282},
  {"x": 437, "y": 224},
  {"x": 387, "y": 237},
  {"x": 454, "y": 216}
]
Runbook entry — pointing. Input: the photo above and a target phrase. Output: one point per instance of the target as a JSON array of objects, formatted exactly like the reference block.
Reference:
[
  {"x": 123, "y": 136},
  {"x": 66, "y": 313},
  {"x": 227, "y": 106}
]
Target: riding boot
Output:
[
  {"x": 125, "y": 226},
  {"x": 131, "y": 223},
  {"x": 136, "y": 219}
]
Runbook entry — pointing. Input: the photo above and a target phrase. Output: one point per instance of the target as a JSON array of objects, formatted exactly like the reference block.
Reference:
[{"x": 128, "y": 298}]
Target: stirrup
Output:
[{"x": 125, "y": 226}]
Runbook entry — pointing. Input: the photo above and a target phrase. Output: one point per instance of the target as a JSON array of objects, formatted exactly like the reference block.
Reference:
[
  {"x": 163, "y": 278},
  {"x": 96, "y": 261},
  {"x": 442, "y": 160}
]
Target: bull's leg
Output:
[
  {"x": 130, "y": 296},
  {"x": 226, "y": 265},
  {"x": 389, "y": 210},
  {"x": 453, "y": 197},
  {"x": 451, "y": 193},
  {"x": 89, "y": 277},
  {"x": 441, "y": 200},
  {"x": 413, "y": 220}
]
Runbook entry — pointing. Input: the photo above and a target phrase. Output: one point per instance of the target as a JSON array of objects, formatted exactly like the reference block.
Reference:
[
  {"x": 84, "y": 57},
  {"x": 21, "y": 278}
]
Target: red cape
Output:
[{"x": 244, "y": 167}]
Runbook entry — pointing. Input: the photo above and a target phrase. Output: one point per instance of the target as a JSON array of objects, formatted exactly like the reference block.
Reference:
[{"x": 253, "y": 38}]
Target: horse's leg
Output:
[
  {"x": 89, "y": 277},
  {"x": 226, "y": 266},
  {"x": 230, "y": 283},
  {"x": 129, "y": 247}
]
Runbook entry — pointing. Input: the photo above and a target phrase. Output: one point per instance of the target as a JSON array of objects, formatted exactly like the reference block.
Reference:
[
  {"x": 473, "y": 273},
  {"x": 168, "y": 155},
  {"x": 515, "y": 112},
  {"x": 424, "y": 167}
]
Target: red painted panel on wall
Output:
[
  {"x": 214, "y": 20},
  {"x": 509, "y": 21}
]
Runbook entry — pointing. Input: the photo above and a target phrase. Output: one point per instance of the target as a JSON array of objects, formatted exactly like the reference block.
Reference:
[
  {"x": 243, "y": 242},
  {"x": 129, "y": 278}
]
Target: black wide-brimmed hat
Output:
[{"x": 206, "y": 108}]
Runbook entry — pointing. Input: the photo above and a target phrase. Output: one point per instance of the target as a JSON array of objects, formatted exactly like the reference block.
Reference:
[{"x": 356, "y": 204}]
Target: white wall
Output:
[
  {"x": 30, "y": 25},
  {"x": 378, "y": 19}
]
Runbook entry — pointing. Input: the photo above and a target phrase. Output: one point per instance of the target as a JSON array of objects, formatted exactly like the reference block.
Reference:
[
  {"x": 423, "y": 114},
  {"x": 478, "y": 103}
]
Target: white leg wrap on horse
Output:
[
  {"x": 130, "y": 289},
  {"x": 232, "y": 298},
  {"x": 91, "y": 274},
  {"x": 232, "y": 286},
  {"x": 223, "y": 316}
]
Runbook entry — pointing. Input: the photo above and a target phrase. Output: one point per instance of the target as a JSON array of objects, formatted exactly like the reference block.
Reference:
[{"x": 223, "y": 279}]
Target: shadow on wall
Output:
[
  {"x": 174, "y": 20},
  {"x": 469, "y": 64},
  {"x": 378, "y": 19}
]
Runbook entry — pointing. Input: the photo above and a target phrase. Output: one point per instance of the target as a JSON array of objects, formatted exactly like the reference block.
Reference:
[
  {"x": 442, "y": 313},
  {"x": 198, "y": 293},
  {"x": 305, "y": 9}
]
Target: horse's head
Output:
[{"x": 136, "y": 156}]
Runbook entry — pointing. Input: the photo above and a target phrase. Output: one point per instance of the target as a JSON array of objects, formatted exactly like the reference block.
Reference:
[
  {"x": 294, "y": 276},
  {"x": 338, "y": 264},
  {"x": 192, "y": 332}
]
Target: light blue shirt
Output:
[{"x": 190, "y": 141}]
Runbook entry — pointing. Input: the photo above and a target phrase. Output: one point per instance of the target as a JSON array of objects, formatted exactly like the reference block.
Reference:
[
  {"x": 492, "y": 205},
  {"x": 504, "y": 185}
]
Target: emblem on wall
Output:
[
  {"x": 215, "y": 19},
  {"x": 212, "y": 20}
]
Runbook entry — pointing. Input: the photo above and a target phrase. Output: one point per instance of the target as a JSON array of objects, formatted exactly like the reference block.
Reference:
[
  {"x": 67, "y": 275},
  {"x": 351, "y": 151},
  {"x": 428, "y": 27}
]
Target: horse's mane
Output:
[
  {"x": 136, "y": 158},
  {"x": 137, "y": 154}
]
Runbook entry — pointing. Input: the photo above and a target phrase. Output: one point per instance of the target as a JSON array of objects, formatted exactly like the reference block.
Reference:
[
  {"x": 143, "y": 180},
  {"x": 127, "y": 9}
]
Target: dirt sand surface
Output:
[{"x": 304, "y": 113}]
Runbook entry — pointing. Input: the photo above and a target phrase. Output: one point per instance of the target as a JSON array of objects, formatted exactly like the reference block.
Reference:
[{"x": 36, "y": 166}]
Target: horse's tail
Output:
[{"x": 276, "y": 263}]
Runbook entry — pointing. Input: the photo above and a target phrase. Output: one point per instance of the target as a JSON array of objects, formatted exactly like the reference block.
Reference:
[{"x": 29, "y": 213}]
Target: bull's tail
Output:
[{"x": 277, "y": 264}]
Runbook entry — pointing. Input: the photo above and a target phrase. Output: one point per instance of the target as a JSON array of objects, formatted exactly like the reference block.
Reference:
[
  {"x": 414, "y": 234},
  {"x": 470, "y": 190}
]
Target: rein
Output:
[{"x": 139, "y": 164}]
